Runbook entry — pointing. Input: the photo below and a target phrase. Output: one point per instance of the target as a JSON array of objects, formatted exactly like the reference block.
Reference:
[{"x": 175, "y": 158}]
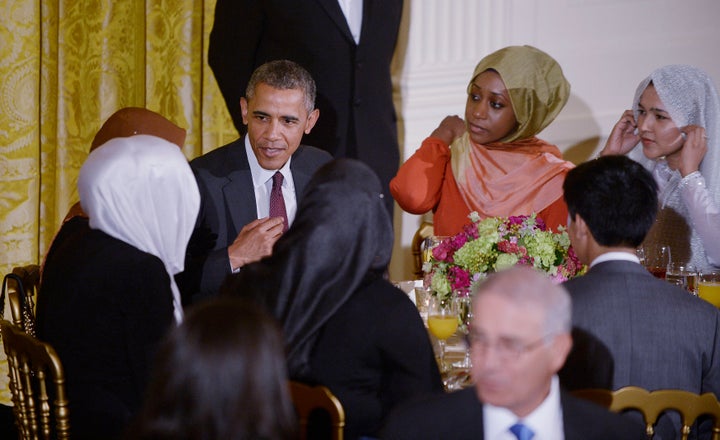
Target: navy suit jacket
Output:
[
  {"x": 227, "y": 204},
  {"x": 459, "y": 416},
  {"x": 659, "y": 335}
]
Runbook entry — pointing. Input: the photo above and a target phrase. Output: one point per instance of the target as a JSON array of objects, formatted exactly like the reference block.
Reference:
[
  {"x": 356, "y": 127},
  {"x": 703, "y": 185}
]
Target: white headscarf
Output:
[
  {"x": 141, "y": 190},
  {"x": 690, "y": 97}
]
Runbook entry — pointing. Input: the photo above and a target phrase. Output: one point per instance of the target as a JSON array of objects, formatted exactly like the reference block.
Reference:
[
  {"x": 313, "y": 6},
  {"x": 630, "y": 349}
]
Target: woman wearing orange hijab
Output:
[{"x": 491, "y": 162}]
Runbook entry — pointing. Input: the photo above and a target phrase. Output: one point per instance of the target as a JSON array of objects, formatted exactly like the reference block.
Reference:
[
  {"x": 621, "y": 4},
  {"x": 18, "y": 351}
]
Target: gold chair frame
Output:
[
  {"x": 424, "y": 231},
  {"x": 37, "y": 384},
  {"x": 22, "y": 297},
  {"x": 651, "y": 404},
  {"x": 307, "y": 398}
]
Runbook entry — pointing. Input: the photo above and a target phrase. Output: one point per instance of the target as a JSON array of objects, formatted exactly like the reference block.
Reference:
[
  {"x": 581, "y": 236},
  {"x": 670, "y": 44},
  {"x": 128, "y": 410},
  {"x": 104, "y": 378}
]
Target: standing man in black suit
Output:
[
  {"x": 520, "y": 337},
  {"x": 658, "y": 335},
  {"x": 346, "y": 45},
  {"x": 234, "y": 225}
]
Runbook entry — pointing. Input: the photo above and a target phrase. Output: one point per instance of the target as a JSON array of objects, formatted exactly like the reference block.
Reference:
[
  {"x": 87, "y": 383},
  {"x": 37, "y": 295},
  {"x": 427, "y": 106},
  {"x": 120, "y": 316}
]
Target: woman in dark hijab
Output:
[{"x": 345, "y": 326}]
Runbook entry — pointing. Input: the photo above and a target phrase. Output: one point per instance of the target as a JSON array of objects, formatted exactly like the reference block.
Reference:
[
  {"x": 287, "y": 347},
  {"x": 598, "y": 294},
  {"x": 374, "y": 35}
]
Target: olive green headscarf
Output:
[{"x": 537, "y": 87}]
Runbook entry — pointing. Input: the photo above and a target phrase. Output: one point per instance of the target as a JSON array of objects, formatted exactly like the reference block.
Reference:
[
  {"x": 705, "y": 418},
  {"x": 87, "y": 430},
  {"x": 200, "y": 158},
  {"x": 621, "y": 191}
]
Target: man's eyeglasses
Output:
[{"x": 506, "y": 349}]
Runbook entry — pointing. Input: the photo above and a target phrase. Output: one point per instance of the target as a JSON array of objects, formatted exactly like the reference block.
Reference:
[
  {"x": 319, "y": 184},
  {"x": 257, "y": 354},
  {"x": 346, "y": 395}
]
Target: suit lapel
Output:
[
  {"x": 300, "y": 177},
  {"x": 332, "y": 7},
  {"x": 239, "y": 192}
]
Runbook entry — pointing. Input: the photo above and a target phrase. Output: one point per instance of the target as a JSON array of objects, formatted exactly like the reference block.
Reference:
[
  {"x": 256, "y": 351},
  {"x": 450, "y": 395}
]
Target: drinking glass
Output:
[
  {"x": 442, "y": 322},
  {"x": 655, "y": 258},
  {"x": 429, "y": 244},
  {"x": 709, "y": 286},
  {"x": 464, "y": 308},
  {"x": 684, "y": 275},
  {"x": 422, "y": 300}
]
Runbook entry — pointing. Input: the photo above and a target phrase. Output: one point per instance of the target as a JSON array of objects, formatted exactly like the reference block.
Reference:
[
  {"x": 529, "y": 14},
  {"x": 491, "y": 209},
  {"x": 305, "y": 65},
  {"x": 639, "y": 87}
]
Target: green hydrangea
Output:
[
  {"x": 505, "y": 261},
  {"x": 440, "y": 284},
  {"x": 541, "y": 245},
  {"x": 473, "y": 256}
]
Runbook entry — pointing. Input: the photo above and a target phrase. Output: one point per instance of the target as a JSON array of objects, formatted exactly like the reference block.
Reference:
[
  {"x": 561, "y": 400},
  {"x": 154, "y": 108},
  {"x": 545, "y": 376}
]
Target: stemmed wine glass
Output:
[
  {"x": 655, "y": 258},
  {"x": 442, "y": 322}
]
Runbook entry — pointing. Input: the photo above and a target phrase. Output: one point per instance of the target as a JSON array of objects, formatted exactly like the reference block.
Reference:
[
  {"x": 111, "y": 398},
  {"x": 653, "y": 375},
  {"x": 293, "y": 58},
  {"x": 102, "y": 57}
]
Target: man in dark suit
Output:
[
  {"x": 658, "y": 335},
  {"x": 346, "y": 45},
  {"x": 234, "y": 225},
  {"x": 519, "y": 339}
]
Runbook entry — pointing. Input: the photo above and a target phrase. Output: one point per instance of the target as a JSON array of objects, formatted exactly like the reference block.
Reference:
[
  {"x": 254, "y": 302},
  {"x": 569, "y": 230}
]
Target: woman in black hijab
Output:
[{"x": 345, "y": 326}]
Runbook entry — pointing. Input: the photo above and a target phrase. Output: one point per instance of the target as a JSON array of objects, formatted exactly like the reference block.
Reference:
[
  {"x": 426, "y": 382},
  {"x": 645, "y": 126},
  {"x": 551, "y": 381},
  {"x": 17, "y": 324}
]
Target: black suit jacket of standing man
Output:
[
  {"x": 228, "y": 203},
  {"x": 357, "y": 116}
]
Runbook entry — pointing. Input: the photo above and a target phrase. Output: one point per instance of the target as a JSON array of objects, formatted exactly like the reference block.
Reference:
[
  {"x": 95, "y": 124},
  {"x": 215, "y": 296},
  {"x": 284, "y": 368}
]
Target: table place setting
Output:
[{"x": 703, "y": 283}]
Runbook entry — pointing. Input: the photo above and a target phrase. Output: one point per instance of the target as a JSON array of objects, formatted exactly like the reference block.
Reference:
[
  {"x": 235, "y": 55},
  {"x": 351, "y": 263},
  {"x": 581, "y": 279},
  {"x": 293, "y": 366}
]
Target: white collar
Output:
[
  {"x": 614, "y": 256},
  {"x": 545, "y": 421}
]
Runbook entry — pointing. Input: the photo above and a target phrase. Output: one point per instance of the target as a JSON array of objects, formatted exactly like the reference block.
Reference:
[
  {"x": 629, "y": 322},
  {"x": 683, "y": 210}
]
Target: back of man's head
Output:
[
  {"x": 615, "y": 196},
  {"x": 525, "y": 285}
]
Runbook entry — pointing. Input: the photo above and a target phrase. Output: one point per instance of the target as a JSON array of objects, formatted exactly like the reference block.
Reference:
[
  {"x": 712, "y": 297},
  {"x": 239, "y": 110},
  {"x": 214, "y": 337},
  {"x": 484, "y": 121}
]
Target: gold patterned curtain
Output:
[{"x": 66, "y": 66}]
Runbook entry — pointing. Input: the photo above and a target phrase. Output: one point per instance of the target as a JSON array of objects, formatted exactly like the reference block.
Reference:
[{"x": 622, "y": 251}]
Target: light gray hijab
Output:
[{"x": 690, "y": 96}]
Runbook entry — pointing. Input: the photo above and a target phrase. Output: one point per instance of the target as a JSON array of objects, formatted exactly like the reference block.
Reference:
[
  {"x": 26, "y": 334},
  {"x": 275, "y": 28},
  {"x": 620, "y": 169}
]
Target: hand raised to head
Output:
[
  {"x": 255, "y": 241},
  {"x": 623, "y": 137},
  {"x": 693, "y": 150},
  {"x": 450, "y": 128}
]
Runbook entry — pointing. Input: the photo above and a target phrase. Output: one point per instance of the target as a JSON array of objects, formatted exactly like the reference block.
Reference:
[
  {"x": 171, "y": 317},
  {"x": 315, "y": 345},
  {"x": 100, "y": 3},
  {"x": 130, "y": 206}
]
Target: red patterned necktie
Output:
[{"x": 277, "y": 202}]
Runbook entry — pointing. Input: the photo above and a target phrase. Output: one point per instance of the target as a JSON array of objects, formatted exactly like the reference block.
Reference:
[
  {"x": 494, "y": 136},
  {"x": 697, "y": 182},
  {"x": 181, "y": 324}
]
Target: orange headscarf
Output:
[{"x": 517, "y": 178}]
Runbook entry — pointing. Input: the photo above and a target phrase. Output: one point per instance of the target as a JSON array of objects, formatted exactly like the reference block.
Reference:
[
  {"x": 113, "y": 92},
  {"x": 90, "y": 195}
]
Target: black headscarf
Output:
[{"x": 341, "y": 237}]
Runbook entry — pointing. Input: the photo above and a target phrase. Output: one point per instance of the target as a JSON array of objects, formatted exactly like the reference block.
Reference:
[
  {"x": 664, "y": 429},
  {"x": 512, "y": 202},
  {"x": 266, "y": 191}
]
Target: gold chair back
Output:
[
  {"x": 651, "y": 404},
  {"x": 37, "y": 384},
  {"x": 22, "y": 292},
  {"x": 308, "y": 398},
  {"x": 424, "y": 231}
]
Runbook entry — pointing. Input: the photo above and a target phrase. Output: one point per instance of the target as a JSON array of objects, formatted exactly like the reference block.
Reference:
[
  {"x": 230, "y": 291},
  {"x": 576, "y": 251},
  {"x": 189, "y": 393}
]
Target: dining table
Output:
[{"x": 457, "y": 376}]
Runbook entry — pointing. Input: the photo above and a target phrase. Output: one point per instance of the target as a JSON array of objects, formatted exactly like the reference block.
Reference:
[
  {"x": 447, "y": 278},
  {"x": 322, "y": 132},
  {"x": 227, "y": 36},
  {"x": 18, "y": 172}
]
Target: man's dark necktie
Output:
[{"x": 277, "y": 202}]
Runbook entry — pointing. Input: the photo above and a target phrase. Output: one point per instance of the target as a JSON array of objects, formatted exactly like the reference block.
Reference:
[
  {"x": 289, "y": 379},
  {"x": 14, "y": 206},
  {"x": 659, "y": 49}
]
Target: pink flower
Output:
[
  {"x": 470, "y": 231},
  {"x": 459, "y": 278}
]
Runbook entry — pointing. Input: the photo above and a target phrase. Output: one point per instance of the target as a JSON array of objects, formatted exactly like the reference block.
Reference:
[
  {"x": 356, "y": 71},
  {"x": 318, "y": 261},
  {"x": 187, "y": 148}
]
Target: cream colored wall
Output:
[{"x": 604, "y": 46}]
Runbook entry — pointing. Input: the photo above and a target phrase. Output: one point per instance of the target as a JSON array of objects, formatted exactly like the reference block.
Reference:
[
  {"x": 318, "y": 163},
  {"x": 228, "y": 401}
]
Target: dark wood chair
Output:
[{"x": 307, "y": 399}]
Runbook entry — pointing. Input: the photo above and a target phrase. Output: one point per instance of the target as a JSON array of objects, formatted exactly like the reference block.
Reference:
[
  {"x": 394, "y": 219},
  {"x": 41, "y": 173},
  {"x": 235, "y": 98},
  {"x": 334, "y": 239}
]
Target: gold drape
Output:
[{"x": 68, "y": 65}]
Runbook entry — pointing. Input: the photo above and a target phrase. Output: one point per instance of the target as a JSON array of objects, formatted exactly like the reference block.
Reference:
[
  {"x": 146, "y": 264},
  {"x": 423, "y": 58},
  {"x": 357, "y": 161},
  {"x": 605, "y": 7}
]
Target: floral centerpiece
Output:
[{"x": 496, "y": 243}]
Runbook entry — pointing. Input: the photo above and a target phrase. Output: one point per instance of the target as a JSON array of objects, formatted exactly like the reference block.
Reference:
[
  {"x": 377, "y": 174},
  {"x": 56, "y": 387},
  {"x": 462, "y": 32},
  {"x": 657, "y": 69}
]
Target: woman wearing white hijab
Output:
[
  {"x": 676, "y": 119},
  {"x": 109, "y": 297}
]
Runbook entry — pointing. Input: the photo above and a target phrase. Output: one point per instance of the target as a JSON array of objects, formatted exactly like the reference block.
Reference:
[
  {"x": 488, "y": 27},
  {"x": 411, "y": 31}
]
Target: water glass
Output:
[
  {"x": 422, "y": 299},
  {"x": 683, "y": 275},
  {"x": 429, "y": 244}
]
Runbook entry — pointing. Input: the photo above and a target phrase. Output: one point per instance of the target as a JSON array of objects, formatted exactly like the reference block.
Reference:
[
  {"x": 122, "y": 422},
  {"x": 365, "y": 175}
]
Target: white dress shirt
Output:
[
  {"x": 262, "y": 183},
  {"x": 545, "y": 421},
  {"x": 353, "y": 10}
]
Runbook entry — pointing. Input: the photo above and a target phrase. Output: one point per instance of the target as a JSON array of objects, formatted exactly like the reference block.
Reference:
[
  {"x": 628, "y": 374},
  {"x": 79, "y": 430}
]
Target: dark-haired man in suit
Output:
[
  {"x": 658, "y": 335},
  {"x": 235, "y": 225},
  {"x": 346, "y": 45}
]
